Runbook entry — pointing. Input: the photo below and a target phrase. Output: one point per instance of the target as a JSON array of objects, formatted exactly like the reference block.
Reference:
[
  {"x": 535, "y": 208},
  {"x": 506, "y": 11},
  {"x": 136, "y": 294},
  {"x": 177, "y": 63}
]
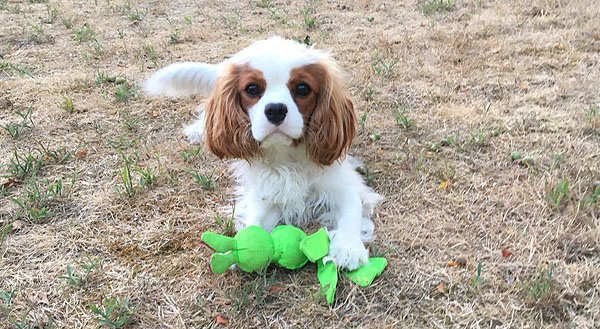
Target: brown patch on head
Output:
[
  {"x": 310, "y": 75},
  {"x": 227, "y": 128},
  {"x": 249, "y": 76},
  {"x": 328, "y": 112}
]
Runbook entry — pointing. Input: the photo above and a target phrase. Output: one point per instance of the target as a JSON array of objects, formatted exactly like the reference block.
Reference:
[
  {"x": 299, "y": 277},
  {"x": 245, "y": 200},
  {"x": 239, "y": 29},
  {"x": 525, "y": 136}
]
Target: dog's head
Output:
[{"x": 273, "y": 93}]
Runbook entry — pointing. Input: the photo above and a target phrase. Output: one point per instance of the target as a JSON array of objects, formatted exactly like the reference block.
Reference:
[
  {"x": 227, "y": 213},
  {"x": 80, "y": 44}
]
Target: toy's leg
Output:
[
  {"x": 218, "y": 242},
  {"x": 262, "y": 213},
  {"x": 219, "y": 263}
]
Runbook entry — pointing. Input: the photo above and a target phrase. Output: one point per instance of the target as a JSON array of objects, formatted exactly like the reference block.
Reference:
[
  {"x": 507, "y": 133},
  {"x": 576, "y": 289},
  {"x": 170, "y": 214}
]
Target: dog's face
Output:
[{"x": 279, "y": 93}]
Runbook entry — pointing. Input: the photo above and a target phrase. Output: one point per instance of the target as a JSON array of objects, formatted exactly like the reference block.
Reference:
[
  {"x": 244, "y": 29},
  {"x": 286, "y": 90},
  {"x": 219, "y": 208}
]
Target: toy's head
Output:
[
  {"x": 286, "y": 243},
  {"x": 254, "y": 249},
  {"x": 251, "y": 250}
]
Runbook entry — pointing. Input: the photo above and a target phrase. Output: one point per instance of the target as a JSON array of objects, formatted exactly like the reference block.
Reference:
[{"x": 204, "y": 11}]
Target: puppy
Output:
[{"x": 280, "y": 111}]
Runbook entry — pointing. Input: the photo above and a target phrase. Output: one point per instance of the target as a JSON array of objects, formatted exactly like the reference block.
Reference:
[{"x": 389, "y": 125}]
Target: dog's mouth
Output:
[{"x": 277, "y": 138}]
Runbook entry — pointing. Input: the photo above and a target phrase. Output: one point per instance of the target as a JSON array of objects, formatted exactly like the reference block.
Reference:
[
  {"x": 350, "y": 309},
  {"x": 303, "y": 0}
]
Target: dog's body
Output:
[{"x": 279, "y": 109}]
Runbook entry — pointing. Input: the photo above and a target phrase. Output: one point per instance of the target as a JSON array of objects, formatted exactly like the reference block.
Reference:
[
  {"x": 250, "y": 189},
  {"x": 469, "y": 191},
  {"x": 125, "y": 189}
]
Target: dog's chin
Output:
[{"x": 276, "y": 139}]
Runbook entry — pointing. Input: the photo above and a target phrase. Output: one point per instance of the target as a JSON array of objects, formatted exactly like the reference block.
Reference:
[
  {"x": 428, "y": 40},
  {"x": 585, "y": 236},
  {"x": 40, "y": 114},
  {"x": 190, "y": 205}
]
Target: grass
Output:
[
  {"x": 74, "y": 279},
  {"x": 226, "y": 224},
  {"x": 430, "y": 6},
  {"x": 21, "y": 167},
  {"x": 67, "y": 105},
  {"x": 366, "y": 172},
  {"x": 52, "y": 14},
  {"x": 4, "y": 232},
  {"x": 206, "y": 181},
  {"x": 382, "y": 67},
  {"x": 14, "y": 129},
  {"x": 39, "y": 198},
  {"x": 113, "y": 313},
  {"x": 57, "y": 156},
  {"x": 129, "y": 186},
  {"x": 150, "y": 54},
  {"x": 401, "y": 118},
  {"x": 39, "y": 34},
  {"x": 84, "y": 33},
  {"x": 252, "y": 294},
  {"x": 192, "y": 155},
  {"x": 125, "y": 91},
  {"x": 558, "y": 194},
  {"x": 9, "y": 68},
  {"x": 540, "y": 285},
  {"x": 310, "y": 22},
  {"x": 456, "y": 83}
]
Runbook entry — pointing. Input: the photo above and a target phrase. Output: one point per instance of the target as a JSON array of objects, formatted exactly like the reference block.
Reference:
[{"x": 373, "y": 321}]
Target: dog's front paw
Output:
[{"x": 347, "y": 251}]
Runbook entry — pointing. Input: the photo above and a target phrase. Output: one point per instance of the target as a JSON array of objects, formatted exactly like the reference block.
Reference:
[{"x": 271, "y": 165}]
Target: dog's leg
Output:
[
  {"x": 346, "y": 248},
  {"x": 262, "y": 213},
  {"x": 195, "y": 130}
]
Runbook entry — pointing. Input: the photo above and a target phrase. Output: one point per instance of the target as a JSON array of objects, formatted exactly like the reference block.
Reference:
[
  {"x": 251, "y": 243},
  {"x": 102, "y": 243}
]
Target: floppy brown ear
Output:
[
  {"x": 227, "y": 128},
  {"x": 332, "y": 125}
]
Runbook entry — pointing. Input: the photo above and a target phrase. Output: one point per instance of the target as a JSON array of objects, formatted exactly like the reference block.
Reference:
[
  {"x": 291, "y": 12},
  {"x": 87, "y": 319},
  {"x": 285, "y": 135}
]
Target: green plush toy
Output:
[{"x": 253, "y": 249}]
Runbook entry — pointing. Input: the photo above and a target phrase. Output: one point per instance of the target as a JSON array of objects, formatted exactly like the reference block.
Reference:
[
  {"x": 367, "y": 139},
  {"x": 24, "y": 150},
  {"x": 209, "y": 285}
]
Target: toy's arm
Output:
[
  {"x": 218, "y": 242},
  {"x": 327, "y": 273},
  {"x": 316, "y": 245},
  {"x": 219, "y": 263},
  {"x": 365, "y": 275}
]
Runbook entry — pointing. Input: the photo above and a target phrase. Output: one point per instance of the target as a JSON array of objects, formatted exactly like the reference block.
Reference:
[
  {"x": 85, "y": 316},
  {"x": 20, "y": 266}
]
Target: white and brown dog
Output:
[{"x": 280, "y": 110}]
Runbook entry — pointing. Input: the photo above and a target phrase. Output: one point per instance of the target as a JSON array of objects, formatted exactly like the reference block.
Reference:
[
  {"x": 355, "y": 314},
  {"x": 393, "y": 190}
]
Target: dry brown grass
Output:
[{"x": 529, "y": 70}]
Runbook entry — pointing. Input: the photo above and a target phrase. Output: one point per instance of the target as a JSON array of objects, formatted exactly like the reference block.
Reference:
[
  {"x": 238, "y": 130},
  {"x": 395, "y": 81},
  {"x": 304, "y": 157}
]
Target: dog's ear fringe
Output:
[
  {"x": 333, "y": 124},
  {"x": 227, "y": 128}
]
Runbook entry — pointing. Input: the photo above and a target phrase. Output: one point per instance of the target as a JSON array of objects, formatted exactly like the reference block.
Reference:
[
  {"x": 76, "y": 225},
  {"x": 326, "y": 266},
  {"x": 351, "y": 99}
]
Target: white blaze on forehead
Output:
[{"x": 274, "y": 55}]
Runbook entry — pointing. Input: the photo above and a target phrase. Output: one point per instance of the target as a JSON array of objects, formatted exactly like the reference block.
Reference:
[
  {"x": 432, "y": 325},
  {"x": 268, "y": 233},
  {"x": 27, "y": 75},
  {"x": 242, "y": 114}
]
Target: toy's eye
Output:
[
  {"x": 253, "y": 90},
  {"x": 302, "y": 89}
]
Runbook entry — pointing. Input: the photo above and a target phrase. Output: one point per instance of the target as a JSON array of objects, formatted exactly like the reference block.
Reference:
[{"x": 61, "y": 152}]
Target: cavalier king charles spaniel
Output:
[{"x": 279, "y": 109}]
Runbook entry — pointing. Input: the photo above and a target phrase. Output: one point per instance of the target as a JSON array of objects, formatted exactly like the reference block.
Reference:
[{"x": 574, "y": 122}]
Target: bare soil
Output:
[{"x": 476, "y": 81}]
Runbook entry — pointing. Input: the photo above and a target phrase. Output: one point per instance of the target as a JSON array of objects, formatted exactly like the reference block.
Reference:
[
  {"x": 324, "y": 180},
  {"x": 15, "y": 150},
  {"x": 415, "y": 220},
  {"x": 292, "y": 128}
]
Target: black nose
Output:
[{"x": 275, "y": 113}]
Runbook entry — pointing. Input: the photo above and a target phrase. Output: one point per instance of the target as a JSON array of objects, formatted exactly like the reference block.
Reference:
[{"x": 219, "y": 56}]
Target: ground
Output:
[{"x": 479, "y": 123}]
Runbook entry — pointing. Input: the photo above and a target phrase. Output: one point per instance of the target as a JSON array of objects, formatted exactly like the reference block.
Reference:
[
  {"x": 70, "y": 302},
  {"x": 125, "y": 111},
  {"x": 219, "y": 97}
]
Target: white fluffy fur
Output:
[
  {"x": 183, "y": 79},
  {"x": 284, "y": 185}
]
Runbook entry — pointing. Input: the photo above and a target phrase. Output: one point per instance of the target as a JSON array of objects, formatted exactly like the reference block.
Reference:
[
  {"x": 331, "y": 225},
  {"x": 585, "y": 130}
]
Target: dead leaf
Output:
[
  {"x": 444, "y": 185},
  {"x": 451, "y": 263},
  {"x": 275, "y": 289},
  {"x": 221, "y": 320},
  {"x": 506, "y": 253},
  {"x": 441, "y": 288},
  {"x": 80, "y": 154},
  {"x": 10, "y": 182}
]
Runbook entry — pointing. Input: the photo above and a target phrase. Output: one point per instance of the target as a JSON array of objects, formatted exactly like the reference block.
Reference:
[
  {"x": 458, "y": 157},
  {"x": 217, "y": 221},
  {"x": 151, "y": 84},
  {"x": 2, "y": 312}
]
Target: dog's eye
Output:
[
  {"x": 302, "y": 89},
  {"x": 253, "y": 90}
]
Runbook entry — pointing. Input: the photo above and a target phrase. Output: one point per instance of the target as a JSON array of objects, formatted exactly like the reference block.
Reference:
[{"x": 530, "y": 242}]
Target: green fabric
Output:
[
  {"x": 316, "y": 245},
  {"x": 220, "y": 262},
  {"x": 219, "y": 243},
  {"x": 328, "y": 277},
  {"x": 254, "y": 249},
  {"x": 286, "y": 242},
  {"x": 365, "y": 275}
]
